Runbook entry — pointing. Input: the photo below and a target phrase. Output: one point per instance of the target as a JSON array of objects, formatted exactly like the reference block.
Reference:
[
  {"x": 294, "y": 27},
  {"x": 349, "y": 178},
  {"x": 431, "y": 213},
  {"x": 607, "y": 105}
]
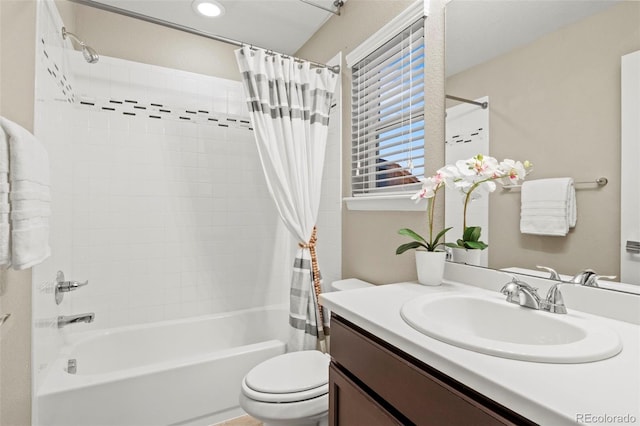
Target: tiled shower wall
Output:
[
  {"x": 159, "y": 197},
  {"x": 171, "y": 214}
]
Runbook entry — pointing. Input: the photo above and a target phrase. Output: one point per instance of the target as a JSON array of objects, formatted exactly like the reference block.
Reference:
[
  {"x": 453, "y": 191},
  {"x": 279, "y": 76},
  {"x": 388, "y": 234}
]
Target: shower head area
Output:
[{"x": 90, "y": 55}]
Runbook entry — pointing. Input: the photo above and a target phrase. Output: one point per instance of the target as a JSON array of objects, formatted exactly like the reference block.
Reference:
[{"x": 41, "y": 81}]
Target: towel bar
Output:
[{"x": 601, "y": 181}]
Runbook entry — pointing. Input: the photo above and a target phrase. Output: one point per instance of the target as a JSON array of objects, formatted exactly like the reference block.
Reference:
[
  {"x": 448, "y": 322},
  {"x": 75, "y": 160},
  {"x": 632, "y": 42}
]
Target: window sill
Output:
[{"x": 395, "y": 202}]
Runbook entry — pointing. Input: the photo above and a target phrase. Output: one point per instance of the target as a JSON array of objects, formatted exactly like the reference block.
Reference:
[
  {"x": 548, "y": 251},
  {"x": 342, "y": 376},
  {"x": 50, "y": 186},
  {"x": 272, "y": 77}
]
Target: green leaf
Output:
[
  {"x": 440, "y": 235},
  {"x": 472, "y": 233},
  {"x": 408, "y": 246},
  {"x": 477, "y": 245},
  {"x": 409, "y": 233},
  {"x": 452, "y": 245}
]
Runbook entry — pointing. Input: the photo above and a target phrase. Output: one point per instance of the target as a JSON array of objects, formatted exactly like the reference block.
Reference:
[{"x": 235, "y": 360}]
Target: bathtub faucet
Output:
[{"x": 73, "y": 319}]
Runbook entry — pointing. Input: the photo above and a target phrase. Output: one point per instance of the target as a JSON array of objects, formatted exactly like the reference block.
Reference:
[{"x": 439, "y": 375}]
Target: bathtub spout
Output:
[{"x": 72, "y": 319}]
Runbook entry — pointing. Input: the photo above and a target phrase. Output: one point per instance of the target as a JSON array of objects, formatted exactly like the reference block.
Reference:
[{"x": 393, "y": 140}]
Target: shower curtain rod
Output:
[
  {"x": 484, "y": 105},
  {"x": 337, "y": 4},
  {"x": 146, "y": 18}
]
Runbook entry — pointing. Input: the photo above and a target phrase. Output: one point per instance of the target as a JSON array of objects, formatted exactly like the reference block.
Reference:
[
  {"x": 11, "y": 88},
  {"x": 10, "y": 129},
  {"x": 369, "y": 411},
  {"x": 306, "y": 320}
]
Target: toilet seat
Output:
[{"x": 296, "y": 376}]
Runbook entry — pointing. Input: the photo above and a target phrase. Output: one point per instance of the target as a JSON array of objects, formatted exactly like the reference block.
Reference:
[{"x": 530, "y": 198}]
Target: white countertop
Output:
[{"x": 548, "y": 394}]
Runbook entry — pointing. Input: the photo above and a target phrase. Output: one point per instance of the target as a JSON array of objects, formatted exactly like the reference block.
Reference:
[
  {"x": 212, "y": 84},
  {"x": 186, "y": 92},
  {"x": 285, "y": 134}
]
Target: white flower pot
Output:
[
  {"x": 468, "y": 256},
  {"x": 430, "y": 266}
]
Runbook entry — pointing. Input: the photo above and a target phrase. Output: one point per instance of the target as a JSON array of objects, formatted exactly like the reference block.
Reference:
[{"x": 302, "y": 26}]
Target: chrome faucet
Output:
[
  {"x": 73, "y": 319},
  {"x": 589, "y": 278},
  {"x": 553, "y": 274},
  {"x": 521, "y": 293},
  {"x": 586, "y": 278}
]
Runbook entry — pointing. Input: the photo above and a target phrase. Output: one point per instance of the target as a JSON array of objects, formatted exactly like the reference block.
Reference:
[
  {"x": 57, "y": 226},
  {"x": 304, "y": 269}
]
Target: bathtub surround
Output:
[
  {"x": 289, "y": 105},
  {"x": 153, "y": 178}
]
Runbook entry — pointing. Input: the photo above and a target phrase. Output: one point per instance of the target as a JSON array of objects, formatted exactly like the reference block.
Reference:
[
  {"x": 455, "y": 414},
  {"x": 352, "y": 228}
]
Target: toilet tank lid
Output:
[{"x": 349, "y": 284}]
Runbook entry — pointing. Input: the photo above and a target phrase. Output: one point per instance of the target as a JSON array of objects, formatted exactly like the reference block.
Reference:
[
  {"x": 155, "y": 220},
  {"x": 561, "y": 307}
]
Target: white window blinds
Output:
[{"x": 388, "y": 116}]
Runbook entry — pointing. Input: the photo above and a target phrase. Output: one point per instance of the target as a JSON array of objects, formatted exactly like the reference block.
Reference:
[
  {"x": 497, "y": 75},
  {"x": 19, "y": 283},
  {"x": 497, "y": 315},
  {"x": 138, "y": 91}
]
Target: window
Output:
[{"x": 388, "y": 116}]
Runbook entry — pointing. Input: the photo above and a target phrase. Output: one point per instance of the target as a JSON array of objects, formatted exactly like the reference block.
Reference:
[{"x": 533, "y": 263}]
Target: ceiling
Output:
[
  {"x": 280, "y": 25},
  {"x": 477, "y": 31},
  {"x": 475, "y": 28}
]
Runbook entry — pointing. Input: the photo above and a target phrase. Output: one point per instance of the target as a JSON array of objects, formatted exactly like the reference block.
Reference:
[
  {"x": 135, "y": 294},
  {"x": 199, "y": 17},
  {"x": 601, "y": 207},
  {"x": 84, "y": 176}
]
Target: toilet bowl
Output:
[{"x": 293, "y": 388}]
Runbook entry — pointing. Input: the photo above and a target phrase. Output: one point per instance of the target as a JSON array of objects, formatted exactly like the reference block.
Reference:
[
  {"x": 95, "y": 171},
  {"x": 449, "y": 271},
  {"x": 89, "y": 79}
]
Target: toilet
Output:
[{"x": 293, "y": 388}]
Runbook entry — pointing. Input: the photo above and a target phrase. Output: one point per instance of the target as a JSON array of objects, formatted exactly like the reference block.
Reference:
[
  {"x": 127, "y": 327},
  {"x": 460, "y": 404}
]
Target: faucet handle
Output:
[
  {"x": 592, "y": 280},
  {"x": 553, "y": 272},
  {"x": 583, "y": 276},
  {"x": 70, "y": 285},
  {"x": 518, "y": 282},
  {"x": 513, "y": 289},
  {"x": 554, "y": 302},
  {"x": 63, "y": 286}
]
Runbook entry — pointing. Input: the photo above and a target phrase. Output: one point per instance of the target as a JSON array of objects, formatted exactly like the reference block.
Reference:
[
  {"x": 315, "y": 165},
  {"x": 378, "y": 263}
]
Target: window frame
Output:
[{"x": 394, "y": 197}]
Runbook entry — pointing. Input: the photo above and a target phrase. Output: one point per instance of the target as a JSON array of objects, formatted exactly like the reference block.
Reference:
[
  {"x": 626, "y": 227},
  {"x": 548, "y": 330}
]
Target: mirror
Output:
[{"x": 551, "y": 72}]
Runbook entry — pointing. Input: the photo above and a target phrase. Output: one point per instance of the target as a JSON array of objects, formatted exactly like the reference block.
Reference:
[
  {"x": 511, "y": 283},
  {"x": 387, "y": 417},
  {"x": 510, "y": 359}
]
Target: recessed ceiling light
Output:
[{"x": 208, "y": 8}]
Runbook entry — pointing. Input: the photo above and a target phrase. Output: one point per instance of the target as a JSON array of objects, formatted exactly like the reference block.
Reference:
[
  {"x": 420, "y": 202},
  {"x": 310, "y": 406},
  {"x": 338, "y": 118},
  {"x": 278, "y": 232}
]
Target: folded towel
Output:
[
  {"x": 28, "y": 158},
  {"x": 5, "y": 244},
  {"x": 4, "y": 152},
  {"x": 5, "y": 227},
  {"x": 25, "y": 198},
  {"x": 30, "y": 246},
  {"x": 548, "y": 207}
]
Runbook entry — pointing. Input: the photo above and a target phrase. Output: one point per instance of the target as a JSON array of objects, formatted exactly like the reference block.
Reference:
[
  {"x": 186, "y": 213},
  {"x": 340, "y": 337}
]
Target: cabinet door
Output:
[
  {"x": 349, "y": 405},
  {"x": 421, "y": 394}
]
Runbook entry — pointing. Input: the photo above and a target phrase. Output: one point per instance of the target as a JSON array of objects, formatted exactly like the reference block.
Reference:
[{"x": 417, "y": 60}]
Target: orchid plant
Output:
[
  {"x": 473, "y": 178},
  {"x": 430, "y": 188}
]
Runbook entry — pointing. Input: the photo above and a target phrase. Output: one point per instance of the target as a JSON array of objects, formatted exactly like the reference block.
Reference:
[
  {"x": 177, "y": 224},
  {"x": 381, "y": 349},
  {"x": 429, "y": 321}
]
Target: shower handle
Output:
[{"x": 63, "y": 286}]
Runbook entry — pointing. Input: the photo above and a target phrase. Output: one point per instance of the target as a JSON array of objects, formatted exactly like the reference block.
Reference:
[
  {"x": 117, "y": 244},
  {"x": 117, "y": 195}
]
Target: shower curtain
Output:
[{"x": 289, "y": 104}]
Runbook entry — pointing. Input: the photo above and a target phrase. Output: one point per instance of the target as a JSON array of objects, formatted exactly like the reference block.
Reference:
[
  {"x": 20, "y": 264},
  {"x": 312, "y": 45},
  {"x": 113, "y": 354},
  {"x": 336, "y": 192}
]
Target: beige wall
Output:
[
  {"x": 369, "y": 239},
  {"x": 556, "y": 102},
  {"x": 17, "y": 59}
]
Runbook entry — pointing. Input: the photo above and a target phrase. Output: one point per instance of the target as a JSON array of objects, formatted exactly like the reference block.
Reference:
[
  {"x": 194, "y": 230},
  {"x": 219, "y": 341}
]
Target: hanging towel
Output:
[
  {"x": 5, "y": 229},
  {"x": 25, "y": 198},
  {"x": 548, "y": 207}
]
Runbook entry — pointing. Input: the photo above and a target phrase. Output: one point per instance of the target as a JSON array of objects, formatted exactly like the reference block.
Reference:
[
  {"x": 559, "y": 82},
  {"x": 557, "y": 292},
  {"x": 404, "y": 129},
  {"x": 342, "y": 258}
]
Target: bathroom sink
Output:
[{"x": 495, "y": 327}]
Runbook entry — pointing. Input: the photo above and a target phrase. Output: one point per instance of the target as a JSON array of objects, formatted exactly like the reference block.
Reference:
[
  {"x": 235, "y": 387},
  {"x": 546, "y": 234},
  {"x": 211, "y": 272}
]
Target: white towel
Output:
[
  {"x": 548, "y": 207},
  {"x": 25, "y": 197},
  {"x": 4, "y": 152},
  {"x": 5, "y": 229}
]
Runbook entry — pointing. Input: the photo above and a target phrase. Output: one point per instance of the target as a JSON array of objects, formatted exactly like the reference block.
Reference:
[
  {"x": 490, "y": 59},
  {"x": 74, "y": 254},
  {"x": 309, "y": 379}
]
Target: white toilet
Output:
[{"x": 293, "y": 388}]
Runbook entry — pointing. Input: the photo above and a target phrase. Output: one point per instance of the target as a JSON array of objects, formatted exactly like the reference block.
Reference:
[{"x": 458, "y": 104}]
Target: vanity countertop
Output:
[{"x": 548, "y": 394}]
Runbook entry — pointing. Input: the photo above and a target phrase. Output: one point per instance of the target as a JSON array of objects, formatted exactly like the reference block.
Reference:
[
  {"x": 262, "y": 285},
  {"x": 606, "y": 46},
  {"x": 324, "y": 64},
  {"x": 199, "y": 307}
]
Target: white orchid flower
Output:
[
  {"x": 513, "y": 171},
  {"x": 429, "y": 187}
]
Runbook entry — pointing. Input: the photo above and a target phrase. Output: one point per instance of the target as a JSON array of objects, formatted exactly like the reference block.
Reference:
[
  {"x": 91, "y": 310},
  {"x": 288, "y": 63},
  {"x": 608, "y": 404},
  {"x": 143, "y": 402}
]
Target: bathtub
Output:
[{"x": 183, "y": 372}]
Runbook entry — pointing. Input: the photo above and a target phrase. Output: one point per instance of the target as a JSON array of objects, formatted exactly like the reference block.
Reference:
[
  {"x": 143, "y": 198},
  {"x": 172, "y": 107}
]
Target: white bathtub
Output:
[{"x": 184, "y": 372}]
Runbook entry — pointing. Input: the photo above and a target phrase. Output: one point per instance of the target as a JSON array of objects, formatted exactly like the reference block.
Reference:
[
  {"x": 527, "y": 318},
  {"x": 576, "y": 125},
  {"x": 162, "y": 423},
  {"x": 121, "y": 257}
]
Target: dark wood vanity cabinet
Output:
[{"x": 372, "y": 383}]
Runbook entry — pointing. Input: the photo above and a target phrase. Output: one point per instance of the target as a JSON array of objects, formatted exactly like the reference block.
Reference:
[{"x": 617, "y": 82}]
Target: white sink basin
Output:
[{"x": 495, "y": 327}]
